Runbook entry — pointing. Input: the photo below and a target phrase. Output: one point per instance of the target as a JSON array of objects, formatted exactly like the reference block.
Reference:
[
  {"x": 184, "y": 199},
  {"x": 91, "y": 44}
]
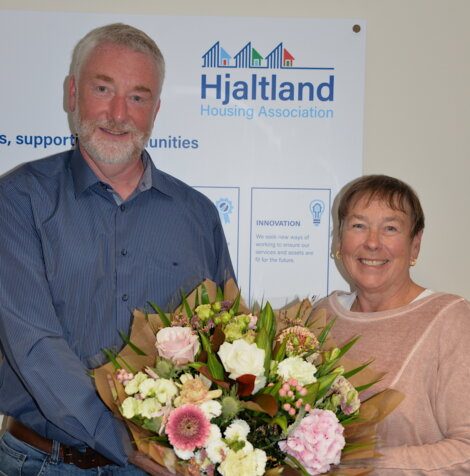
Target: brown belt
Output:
[{"x": 70, "y": 455}]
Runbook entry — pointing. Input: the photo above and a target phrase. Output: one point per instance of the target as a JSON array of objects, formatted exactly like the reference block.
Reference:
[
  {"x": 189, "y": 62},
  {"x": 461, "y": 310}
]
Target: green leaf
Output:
[
  {"x": 235, "y": 305},
  {"x": 264, "y": 342},
  {"x": 325, "y": 383},
  {"x": 126, "y": 339},
  {"x": 324, "y": 333},
  {"x": 274, "y": 390},
  {"x": 196, "y": 365},
  {"x": 312, "y": 392},
  {"x": 280, "y": 420},
  {"x": 163, "y": 317},
  {"x": 219, "y": 295},
  {"x": 356, "y": 370},
  {"x": 186, "y": 305},
  {"x": 204, "y": 296},
  {"x": 196, "y": 299},
  {"x": 111, "y": 356},
  {"x": 298, "y": 465},
  {"x": 281, "y": 351},
  {"x": 213, "y": 364},
  {"x": 153, "y": 424},
  {"x": 347, "y": 346},
  {"x": 361, "y": 388},
  {"x": 269, "y": 320}
]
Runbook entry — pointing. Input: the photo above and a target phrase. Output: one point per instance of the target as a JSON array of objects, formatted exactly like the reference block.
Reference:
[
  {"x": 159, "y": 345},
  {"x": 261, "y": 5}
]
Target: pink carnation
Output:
[
  {"x": 187, "y": 428},
  {"x": 317, "y": 441}
]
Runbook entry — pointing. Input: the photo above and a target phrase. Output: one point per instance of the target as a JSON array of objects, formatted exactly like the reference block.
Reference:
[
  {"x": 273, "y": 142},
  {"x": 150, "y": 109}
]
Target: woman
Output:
[{"x": 417, "y": 336}]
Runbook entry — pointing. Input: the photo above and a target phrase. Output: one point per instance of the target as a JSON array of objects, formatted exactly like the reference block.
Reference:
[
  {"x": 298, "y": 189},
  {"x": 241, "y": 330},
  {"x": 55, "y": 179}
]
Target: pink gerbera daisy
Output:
[{"x": 187, "y": 427}]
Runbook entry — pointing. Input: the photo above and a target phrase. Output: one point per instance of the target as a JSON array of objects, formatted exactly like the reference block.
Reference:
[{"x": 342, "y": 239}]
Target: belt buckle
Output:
[{"x": 68, "y": 453}]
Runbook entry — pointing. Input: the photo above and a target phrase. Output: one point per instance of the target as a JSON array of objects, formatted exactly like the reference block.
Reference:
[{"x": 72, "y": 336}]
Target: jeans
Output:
[{"x": 20, "y": 459}]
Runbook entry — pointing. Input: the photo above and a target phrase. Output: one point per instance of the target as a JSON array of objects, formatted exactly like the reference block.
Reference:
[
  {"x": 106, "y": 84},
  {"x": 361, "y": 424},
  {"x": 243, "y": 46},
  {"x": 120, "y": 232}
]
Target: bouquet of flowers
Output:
[{"x": 214, "y": 388}]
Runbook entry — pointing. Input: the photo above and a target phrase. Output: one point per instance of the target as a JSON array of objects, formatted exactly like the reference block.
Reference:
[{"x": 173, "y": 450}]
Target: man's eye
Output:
[
  {"x": 358, "y": 225},
  {"x": 136, "y": 98},
  {"x": 391, "y": 228},
  {"x": 101, "y": 89}
]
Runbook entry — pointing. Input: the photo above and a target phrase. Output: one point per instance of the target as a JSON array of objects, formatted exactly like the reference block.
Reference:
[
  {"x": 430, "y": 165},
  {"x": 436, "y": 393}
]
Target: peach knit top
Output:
[{"x": 425, "y": 349}]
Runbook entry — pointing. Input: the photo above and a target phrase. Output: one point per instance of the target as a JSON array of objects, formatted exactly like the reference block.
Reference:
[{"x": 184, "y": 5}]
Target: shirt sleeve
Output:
[
  {"x": 224, "y": 269},
  {"x": 450, "y": 401},
  {"x": 32, "y": 337}
]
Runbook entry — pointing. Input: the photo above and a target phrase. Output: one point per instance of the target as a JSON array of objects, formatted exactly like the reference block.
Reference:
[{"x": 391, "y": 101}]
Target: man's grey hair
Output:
[{"x": 117, "y": 34}]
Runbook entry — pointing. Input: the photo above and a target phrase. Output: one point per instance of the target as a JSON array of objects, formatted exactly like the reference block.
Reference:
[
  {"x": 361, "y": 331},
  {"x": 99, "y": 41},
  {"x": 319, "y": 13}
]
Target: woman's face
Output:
[{"x": 376, "y": 246}]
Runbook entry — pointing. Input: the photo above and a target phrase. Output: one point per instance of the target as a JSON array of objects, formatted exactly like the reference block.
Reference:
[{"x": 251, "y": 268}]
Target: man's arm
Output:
[{"x": 32, "y": 337}]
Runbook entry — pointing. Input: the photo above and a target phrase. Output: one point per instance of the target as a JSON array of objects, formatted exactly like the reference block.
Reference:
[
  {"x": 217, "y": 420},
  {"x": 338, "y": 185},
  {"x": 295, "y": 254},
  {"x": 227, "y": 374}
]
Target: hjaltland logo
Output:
[{"x": 258, "y": 86}]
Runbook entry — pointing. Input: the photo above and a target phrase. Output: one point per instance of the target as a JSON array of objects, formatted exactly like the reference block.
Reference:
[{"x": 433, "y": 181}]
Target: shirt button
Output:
[
  {"x": 125, "y": 297},
  {"x": 123, "y": 207},
  {"x": 124, "y": 252}
]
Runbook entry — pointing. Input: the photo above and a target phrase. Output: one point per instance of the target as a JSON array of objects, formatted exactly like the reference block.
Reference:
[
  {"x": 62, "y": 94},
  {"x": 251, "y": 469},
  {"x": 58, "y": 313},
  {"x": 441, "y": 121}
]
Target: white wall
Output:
[{"x": 417, "y": 102}]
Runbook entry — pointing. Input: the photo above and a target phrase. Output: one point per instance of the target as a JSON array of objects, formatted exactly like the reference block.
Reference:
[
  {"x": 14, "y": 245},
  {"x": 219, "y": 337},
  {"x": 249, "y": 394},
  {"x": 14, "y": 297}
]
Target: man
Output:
[{"x": 87, "y": 236}]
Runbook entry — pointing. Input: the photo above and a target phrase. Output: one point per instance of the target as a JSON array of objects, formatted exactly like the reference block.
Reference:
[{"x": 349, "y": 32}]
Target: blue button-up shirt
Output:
[{"x": 74, "y": 263}]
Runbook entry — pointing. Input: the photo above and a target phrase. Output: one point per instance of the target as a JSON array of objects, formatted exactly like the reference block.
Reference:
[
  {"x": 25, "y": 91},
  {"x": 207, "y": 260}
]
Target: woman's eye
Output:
[{"x": 358, "y": 225}]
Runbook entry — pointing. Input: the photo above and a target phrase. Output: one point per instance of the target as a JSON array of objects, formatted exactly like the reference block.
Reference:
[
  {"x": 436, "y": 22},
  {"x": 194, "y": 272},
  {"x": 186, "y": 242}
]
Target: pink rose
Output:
[{"x": 177, "y": 344}]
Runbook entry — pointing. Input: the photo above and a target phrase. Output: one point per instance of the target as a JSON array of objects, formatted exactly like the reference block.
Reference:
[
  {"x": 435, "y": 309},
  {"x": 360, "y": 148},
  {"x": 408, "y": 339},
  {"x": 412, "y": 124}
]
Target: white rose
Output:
[
  {"x": 131, "y": 407},
  {"x": 237, "y": 431},
  {"x": 297, "y": 368},
  {"x": 211, "y": 408},
  {"x": 240, "y": 358}
]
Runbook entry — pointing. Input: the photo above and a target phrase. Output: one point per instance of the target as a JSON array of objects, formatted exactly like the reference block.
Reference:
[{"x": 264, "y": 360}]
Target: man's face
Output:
[{"x": 114, "y": 103}]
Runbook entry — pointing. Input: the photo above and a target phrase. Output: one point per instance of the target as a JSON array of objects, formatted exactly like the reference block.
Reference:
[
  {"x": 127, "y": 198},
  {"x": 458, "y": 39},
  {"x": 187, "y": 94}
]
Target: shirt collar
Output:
[{"x": 84, "y": 177}]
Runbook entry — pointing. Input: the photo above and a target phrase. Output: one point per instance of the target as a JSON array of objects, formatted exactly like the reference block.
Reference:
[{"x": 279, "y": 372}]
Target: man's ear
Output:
[
  {"x": 72, "y": 94},
  {"x": 157, "y": 108}
]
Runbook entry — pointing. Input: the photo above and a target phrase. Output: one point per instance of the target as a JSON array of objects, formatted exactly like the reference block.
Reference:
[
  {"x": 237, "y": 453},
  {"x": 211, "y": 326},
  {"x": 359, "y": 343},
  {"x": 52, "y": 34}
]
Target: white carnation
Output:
[
  {"x": 150, "y": 408},
  {"x": 165, "y": 390},
  {"x": 216, "y": 451},
  {"x": 133, "y": 385},
  {"x": 182, "y": 454},
  {"x": 211, "y": 408},
  {"x": 131, "y": 407},
  {"x": 297, "y": 368},
  {"x": 237, "y": 431}
]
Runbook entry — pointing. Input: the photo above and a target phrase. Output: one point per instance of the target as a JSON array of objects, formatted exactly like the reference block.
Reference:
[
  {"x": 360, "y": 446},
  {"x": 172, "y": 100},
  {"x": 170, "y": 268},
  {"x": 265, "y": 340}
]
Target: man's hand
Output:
[{"x": 143, "y": 462}]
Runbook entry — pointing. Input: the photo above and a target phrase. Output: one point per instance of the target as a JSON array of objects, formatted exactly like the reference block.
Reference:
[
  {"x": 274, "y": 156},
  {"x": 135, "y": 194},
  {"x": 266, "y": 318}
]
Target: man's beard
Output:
[{"x": 107, "y": 151}]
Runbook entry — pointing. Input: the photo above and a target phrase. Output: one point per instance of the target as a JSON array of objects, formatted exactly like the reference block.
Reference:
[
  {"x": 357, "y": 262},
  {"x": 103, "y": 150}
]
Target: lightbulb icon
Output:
[{"x": 317, "y": 207}]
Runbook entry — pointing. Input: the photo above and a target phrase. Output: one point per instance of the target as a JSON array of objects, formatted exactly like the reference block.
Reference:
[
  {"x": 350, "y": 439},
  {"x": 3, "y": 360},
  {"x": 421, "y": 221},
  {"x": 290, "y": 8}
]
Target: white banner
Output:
[{"x": 263, "y": 115}]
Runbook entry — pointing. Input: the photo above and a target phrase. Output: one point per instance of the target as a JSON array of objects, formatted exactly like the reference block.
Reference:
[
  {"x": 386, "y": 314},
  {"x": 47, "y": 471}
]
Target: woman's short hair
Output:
[
  {"x": 117, "y": 34},
  {"x": 396, "y": 194}
]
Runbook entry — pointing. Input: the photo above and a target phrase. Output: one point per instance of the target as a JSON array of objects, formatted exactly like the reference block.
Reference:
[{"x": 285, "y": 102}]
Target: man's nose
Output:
[{"x": 118, "y": 109}]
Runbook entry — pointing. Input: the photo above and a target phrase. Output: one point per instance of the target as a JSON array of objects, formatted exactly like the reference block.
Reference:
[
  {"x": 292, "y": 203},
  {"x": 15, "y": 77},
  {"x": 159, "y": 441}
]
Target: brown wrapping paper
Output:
[{"x": 143, "y": 330}]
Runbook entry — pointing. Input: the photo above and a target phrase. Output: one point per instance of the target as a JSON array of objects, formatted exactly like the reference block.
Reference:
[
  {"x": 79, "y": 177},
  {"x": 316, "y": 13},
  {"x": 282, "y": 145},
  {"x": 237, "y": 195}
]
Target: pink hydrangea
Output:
[
  {"x": 316, "y": 442},
  {"x": 188, "y": 427}
]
